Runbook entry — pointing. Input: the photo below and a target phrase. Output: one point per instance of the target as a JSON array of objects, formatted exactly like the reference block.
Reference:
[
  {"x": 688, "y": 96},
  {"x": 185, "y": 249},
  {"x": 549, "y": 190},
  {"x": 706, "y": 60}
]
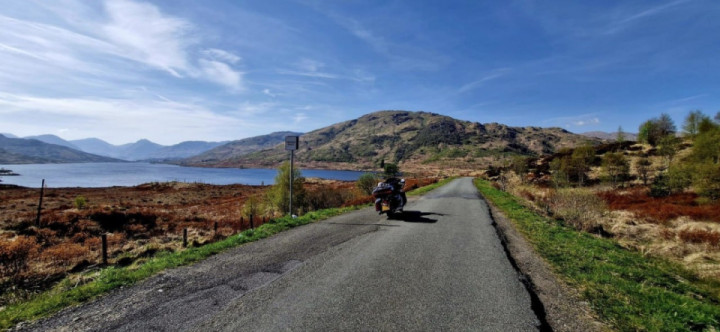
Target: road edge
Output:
[{"x": 562, "y": 306}]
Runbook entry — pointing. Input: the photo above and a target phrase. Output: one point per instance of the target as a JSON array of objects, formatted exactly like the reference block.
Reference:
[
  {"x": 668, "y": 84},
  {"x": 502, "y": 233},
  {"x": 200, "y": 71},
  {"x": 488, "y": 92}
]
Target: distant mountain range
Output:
[
  {"x": 609, "y": 136},
  {"x": 414, "y": 139},
  {"x": 53, "y": 149}
]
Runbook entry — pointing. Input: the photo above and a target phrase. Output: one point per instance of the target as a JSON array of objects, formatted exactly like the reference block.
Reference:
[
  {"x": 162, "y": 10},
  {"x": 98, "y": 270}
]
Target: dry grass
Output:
[{"x": 661, "y": 209}]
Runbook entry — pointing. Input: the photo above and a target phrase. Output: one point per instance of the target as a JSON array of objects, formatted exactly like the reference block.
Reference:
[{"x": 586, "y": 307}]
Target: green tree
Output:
[
  {"x": 706, "y": 180},
  {"x": 647, "y": 132},
  {"x": 706, "y": 147},
  {"x": 278, "y": 194},
  {"x": 391, "y": 170},
  {"x": 679, "y": 176},
  {"x": 668, "y": 147},
  {"x": 254, "y": 206},
  {"x": 651, "y": 131},
  {"x": 620, "y": 135},
  {"x": 644, "y": 169},
  {"x": 559, "y": 168},
  {"x": 666, "y": 126},
  {"x": 580, "y": 162},
  {"x": 366, "y": 183},
  {"x": 520, "y": 165},
  {"x": 691, "y": 126},
  {"x": 616, "y": 167}
]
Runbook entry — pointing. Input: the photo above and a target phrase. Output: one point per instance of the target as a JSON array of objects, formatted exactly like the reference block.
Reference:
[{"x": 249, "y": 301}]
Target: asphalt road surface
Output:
[{"x": 439, "y": 267}]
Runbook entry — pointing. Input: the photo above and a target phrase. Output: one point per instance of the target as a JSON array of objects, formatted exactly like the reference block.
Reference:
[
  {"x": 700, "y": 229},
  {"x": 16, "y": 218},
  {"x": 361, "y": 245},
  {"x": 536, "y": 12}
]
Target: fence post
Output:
[
  {"x": 216, "y": 228},
  {"x": 251, "y": 221},
  {"x": 104, "y": 249},
  {"x": 242, "y": 221},
  {"x": 184, "y": 237},
  {"x": 42, "y": 191}
]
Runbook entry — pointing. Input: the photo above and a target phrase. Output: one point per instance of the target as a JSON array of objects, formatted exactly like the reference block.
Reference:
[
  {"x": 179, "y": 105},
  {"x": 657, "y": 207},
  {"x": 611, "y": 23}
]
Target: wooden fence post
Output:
[
  {"x": 42, "y": 191},
  {"x": 104, "y": 249},
  {"x": 184, "y": 237},
  {"x": 251, "y": 221}
]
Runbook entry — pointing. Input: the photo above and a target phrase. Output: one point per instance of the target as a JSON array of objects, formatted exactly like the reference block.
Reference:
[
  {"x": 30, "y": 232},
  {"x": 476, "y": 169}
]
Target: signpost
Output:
[{"x": 292, "y": 144}]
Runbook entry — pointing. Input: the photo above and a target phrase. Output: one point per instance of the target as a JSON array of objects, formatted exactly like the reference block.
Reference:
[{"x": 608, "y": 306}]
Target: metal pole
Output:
[
  {"x": 42, "y": 191},
  {"x": 292, "y": 160}
]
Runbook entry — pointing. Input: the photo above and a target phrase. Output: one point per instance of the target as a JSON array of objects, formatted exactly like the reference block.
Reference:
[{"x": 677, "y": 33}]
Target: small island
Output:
[{"x": 7, "y": 172}]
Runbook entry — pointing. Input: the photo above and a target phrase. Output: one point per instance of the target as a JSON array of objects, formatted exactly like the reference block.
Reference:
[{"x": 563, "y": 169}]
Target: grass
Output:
[
  {"x": 65, "y": 294},
  {"x": 629, "y": 291},
  {"x": 426, "y": 189}
]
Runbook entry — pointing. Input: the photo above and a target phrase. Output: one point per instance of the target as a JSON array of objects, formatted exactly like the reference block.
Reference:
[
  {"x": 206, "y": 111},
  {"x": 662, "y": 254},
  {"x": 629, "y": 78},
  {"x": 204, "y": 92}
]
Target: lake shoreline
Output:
[{"x": 101, "y": 175}]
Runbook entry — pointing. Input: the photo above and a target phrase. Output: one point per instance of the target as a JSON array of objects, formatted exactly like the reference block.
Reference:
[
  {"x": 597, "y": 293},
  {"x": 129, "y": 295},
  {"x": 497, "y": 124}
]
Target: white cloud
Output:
[
  {"x": 221, "y": 73},
  {"x": 299, "y": 117},
  {"x": 144, "y": 34},
  {"x": 581, "y": 123},
  {"x": 117, "y": 120},
  {"x": 222, "y": 55},
  {"x": 268, "y": 93}
]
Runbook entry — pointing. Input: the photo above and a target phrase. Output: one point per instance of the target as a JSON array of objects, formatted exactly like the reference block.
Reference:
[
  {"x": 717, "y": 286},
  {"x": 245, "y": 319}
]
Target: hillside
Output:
[
  {"x": 416, "y": 140},
  {"x": 25, "y": 151},
  {"x": 52, "y": 139},
  {"x": 236, "y": 149}
]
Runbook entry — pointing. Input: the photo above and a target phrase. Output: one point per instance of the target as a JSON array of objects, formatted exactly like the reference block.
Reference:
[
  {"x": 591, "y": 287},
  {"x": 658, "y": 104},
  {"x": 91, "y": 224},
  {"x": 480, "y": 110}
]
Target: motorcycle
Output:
[{"x": 390, "y": 197}]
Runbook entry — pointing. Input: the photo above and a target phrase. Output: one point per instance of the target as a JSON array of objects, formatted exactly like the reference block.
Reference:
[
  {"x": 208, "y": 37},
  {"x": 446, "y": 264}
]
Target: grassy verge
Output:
[
  {"x": 629, "y": 291},
  {"x": 64, "y": 295},
  {"x": 426, "y": 189}
]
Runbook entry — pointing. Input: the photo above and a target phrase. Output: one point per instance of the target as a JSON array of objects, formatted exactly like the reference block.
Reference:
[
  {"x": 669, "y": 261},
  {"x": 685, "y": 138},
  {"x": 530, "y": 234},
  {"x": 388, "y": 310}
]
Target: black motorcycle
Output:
[{"x": 390, "y": 197}]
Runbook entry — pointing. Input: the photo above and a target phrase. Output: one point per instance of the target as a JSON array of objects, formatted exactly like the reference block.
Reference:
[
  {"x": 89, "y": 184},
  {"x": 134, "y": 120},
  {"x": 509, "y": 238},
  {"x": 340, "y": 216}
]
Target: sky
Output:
[{"x": 172, "y": 71}]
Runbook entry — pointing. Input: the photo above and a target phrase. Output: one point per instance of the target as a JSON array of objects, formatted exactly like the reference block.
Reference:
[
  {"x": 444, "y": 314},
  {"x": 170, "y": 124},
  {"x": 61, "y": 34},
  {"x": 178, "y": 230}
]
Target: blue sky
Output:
[{"x": 180, "y": 70}]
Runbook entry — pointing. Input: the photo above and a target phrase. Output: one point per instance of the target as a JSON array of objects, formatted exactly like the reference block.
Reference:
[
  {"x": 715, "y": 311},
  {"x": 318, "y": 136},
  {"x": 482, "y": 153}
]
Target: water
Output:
[{"x": 131, "y": 174}]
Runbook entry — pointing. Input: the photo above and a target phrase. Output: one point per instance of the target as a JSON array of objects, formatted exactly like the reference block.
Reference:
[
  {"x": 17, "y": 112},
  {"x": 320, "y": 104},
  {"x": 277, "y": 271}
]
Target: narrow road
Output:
[{"x": 440, "y": 267}]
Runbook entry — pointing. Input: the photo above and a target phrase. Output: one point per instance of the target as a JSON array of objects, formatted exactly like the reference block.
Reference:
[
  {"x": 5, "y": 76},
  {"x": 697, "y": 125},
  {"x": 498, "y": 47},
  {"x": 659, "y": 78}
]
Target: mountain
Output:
[
  {"x": 185, "y": 149},
  {"x": 144, "y": 149},
  {"x": 416, "y": 140},
  {"x": 95, "y": 146},
  {"x": 8, "y": 135},
  {"x": 236, "y": 149},
  {"x": 609, "y": 136},
  {"x": 52, "y": 139},
  {"x": 140, "y": 150},
  {"x": 23, "y": 151}
]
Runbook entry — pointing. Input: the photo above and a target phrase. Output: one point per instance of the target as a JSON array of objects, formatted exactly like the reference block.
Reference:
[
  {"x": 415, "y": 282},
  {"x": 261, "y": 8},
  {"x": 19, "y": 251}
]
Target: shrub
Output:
[
  {"x": 278, "y": 194},
  {"x": 326, "y": 198},
  {"x": 366, "y": 183},
  {"x": 65, "y": 254},
  {"x": 700, "y": 236},
  {"x": 707, "y": 180},
  {"x": 578, "y": 207},
  {"x": 660, "y": 187},
  {"x": 80, "y": 202},
  {"x": 14, "y": 255}
]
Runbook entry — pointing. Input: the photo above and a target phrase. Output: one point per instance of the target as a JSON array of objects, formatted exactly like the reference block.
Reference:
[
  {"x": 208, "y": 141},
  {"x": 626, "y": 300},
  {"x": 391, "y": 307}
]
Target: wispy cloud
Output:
[
  {"x": 146, "y": 35},
  {"x": 119, "y": 120},
  {"x": 493, "y": 74},
  {"x": 629, "y": 18}
]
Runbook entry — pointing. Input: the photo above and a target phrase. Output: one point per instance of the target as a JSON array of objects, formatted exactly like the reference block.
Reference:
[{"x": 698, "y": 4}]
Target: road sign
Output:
[{"x": 292, "y": 142}]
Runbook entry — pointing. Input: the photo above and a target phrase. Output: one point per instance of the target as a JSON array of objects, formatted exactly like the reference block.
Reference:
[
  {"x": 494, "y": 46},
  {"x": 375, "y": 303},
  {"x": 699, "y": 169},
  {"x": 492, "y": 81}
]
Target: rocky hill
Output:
[
  {"x": 25, "y": 151},
  {"x": 416, "y": 140},
  {"x": 235, "y": 150}
]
